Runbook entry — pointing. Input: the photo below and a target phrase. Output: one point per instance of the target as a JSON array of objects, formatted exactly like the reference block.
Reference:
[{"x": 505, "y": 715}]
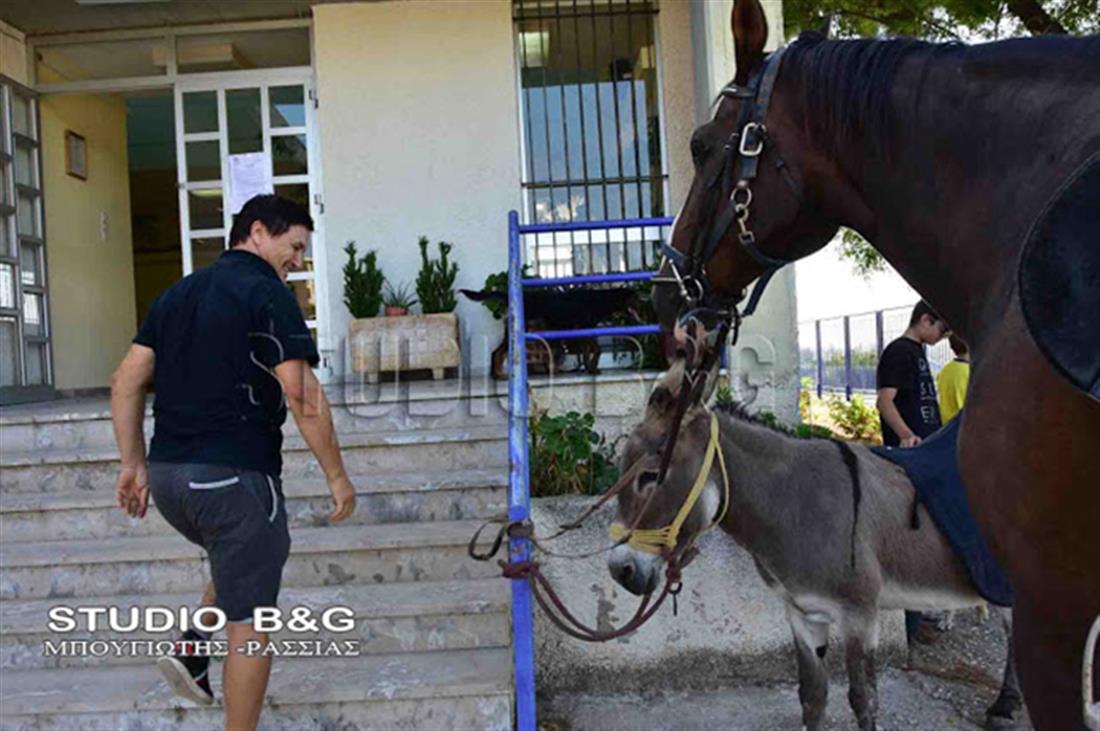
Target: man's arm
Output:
[
  {"x": 311, "y": 411},
  {"x": 892, "y": 417},
  {"x": 128, "y": 385}
]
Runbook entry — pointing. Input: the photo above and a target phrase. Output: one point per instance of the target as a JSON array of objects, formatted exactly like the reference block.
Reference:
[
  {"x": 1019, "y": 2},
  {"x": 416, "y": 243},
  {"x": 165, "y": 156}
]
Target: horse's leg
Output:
[
  {"x": 811, "y": 640},
  {"x": 1005, "y": 709},
  {"x": 860, "y": 628}
]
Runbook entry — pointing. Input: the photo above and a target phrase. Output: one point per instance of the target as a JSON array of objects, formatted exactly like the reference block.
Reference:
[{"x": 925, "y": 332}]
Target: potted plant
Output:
[
  {"x": 397, "y": 300},
  {"x": 362, "y": 283},
  {"x": 414, "y": 342}
]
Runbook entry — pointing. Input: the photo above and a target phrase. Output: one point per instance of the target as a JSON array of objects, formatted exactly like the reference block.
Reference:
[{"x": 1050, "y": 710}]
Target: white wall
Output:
[
  {"x": 419, "y": 135},
  {"x": 764, "y": 366}
]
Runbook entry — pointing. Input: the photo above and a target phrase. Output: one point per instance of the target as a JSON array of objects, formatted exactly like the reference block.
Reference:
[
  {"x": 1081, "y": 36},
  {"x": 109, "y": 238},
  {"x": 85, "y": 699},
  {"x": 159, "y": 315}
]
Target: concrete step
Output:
[
  {"x": 71, "y": 470},
  {"x": 169, "y": 564},
  {"x": 85, "y": 424},
  {"x": 390, "y": 618},
  {"x": 383, "y": 498},
  {"x": 461, "y": 689}
]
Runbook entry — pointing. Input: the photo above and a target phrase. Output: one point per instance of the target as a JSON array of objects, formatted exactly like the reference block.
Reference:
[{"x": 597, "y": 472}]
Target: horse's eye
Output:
[
  {"x": 647, "y": 479},
  {"x": 698, "y": 150}
]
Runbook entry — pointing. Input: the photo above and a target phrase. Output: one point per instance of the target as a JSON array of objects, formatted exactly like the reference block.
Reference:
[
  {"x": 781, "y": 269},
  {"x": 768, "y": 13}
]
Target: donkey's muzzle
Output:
[{"x": 636, "y": 574}]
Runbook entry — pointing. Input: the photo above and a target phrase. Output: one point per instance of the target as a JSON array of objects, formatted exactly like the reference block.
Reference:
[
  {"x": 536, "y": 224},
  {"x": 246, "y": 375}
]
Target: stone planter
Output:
[{"x": 409, "y": 343}]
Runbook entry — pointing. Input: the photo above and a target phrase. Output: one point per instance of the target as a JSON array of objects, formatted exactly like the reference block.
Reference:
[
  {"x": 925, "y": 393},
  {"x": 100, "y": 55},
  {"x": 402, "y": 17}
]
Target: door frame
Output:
[
  {"x": 220, "y": 83},
  {"x": 22, "y": 392}
]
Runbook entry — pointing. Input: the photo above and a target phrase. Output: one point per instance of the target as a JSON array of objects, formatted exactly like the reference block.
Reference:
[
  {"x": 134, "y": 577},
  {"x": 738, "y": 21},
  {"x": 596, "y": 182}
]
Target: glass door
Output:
[
  {"x": 26, "y": 369},
  {"x": 272, "y": 116}
]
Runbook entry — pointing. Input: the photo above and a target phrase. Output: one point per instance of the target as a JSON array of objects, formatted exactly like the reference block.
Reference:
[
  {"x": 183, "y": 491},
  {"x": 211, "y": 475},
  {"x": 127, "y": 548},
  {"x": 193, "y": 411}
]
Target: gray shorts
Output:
[{"x": 239, "y": 517}]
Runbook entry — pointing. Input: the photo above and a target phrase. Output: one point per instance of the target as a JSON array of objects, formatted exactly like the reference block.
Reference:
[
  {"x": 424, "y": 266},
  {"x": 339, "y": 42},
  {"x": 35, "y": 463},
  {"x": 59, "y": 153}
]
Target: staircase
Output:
[{"x": 434, "y": 626}]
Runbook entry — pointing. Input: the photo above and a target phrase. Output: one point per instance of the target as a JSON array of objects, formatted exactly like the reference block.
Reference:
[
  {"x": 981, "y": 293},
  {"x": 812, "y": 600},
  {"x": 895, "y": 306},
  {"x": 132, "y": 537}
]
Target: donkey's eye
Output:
[{"x": 647, "y": 480}]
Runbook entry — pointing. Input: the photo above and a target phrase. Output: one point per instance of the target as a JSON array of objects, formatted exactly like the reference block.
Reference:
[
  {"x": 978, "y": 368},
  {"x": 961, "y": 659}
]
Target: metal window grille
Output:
[{"x": 589, "y": 87}]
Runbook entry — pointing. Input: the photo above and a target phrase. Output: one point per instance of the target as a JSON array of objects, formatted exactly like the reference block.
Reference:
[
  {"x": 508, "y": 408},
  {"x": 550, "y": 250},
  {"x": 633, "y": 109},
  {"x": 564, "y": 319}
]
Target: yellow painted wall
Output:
[{"x": 91, "y": 278}]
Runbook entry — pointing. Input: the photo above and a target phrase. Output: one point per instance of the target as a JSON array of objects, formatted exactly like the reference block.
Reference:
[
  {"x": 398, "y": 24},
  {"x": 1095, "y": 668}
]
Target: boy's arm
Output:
[{"x": 892, "y": 417}]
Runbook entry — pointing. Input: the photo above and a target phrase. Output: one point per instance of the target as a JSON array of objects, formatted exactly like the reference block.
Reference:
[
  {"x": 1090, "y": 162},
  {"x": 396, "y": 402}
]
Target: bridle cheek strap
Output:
[{"x": 660, "y": 540}]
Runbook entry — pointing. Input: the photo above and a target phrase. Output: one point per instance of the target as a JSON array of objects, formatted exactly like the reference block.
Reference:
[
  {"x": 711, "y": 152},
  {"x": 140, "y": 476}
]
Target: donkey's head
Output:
[
  {"x": 749, "y": 209},
  {"x": 658, "y": 521}
]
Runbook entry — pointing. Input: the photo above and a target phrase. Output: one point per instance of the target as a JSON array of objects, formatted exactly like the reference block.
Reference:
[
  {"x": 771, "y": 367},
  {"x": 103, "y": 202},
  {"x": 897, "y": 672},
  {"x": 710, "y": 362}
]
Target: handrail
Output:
[{"x": 519, "y": 494}]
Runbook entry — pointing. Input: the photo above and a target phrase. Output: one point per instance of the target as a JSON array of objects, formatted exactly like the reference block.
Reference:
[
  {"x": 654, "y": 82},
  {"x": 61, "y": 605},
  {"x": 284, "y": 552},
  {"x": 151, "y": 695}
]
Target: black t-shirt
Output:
[
  {"x": 218, "y": 335},
  {"x": 904, "y": 367}
]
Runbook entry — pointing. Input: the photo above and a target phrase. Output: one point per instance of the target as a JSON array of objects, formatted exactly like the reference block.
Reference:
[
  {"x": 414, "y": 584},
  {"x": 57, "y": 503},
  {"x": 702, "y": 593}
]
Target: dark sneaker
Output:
[{"x": 187, "y": 672}]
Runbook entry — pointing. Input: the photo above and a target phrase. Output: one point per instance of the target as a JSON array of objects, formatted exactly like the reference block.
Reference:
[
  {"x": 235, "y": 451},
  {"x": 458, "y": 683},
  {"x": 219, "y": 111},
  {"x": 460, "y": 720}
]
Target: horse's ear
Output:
[{"x": 750, "y": 33}]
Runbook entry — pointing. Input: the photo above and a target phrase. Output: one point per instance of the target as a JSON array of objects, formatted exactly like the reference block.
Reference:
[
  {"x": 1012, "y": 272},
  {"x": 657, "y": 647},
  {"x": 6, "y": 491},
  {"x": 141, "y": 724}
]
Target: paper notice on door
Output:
[{"x": 249, "y": 175}]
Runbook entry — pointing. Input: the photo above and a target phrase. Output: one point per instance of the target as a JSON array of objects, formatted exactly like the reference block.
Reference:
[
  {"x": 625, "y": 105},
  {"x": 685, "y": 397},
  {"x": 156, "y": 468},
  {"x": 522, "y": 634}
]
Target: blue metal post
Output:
[
  {"x": 519, "y": 494},
  {"x": 820, "y": 362},
  {"x": 847, "y": 358}
]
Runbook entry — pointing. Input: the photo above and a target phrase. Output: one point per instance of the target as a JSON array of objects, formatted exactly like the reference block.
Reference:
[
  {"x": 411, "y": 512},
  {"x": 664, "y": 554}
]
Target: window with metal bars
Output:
[{"x": 589, "y": 87}]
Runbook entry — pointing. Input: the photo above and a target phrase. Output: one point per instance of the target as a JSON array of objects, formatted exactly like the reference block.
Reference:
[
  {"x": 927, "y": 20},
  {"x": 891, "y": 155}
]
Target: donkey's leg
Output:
[
  {"x": 860, "y": 628},
  {"x": 811, "y": 641},
  {"x": 1008, "y": 704}
]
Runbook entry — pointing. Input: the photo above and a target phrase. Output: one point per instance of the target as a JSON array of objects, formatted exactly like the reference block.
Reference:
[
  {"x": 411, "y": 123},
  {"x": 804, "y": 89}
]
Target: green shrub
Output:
[
  {"x": 568, "y": 457},
  {"x": 436, "y": 280},
  {"x": 362, "y": 283},
  {"x": 812, "y": 431},
  {"x": 855, "y": 419},
  {"x": 723, "y": 395}
]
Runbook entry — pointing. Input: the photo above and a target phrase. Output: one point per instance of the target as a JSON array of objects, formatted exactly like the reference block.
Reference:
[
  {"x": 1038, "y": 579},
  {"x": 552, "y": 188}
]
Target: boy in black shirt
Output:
[
  {"x": 909, "y": 410},
  {"x": 907, "y": 401}
]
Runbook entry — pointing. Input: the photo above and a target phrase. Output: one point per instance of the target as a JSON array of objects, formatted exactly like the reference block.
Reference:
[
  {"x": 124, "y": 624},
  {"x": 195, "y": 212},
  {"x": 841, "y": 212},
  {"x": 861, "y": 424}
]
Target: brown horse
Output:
[{"x": 974, "y": 171}]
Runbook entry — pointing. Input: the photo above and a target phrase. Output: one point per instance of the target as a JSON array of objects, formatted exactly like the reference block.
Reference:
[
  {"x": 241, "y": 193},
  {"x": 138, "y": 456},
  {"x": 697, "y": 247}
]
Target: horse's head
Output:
[
  {"x": 657, "y": 523},
  {"x": 749, "y": 209}
]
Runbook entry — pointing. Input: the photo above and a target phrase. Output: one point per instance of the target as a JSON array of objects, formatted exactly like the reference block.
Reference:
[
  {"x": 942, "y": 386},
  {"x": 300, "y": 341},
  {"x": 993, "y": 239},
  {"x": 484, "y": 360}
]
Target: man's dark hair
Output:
[
  {"x": 919, "y": 310},
  {"x": 958, "y": 345},
  {"x": 275, "y": 213}
]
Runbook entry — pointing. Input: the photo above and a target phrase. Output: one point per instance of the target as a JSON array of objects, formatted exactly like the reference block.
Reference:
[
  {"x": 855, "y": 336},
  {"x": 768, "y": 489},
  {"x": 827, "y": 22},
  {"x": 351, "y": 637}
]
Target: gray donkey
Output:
[{"x": 828, "y": 524}]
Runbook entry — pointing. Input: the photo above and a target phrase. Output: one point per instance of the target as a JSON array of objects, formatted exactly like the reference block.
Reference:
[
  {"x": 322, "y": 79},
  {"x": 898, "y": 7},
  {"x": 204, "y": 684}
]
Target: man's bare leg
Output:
[
  {"x": 245, "y": 679},
  {"x": 208, "y": 595}
]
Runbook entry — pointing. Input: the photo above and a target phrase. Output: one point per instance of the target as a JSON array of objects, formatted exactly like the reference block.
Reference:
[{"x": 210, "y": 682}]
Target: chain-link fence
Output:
[{"x": 840, "y": 354}]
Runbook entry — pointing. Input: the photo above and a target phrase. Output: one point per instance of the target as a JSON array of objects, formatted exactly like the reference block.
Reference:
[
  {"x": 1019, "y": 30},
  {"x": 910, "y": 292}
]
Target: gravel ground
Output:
[{"x": 947, "y": 685}]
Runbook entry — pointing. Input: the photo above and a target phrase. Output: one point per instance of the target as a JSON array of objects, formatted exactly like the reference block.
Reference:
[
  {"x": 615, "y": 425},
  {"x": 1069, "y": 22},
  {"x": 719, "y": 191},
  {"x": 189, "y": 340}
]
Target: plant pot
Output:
[
  {"x": 396, "y": 311},
  {"x": 412, "y": 342}
]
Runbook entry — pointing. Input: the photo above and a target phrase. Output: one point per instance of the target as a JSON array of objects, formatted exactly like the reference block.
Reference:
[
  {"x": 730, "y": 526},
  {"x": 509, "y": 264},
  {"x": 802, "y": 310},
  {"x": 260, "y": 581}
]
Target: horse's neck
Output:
[{"x": 977, "y": 155}]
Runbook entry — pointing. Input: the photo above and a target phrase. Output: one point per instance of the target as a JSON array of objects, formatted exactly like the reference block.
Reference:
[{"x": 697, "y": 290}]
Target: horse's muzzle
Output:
[{"x": 635, "y": 571}]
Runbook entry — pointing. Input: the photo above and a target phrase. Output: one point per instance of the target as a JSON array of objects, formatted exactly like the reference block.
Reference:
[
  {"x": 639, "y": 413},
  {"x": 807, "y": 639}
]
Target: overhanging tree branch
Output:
[{"x": 1037, "y": 20}]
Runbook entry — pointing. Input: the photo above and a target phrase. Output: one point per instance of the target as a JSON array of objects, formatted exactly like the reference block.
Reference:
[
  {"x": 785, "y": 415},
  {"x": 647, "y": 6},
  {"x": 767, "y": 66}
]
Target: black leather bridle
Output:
[{"x": 742, "y": 151}]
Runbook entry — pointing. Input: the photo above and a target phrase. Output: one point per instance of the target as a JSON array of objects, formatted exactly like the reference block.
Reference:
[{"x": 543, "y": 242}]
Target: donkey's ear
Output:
[{"x": 750, "y": 33}]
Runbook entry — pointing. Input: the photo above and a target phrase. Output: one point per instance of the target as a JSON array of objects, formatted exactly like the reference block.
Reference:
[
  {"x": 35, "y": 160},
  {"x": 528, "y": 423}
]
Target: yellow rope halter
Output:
[{"x": 655, "y": 540}]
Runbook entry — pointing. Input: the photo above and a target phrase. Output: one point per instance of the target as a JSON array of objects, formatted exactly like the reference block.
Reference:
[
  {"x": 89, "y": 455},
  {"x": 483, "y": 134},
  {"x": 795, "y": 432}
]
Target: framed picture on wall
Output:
[{"x": 76, "y": 155}]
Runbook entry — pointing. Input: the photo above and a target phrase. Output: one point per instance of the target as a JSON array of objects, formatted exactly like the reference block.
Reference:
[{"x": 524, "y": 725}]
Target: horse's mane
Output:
[{"x": 845, "y": 86}]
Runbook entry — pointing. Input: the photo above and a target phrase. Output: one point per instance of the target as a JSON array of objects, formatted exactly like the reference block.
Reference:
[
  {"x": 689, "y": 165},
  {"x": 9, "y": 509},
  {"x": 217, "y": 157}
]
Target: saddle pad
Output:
[
  {"x": 933, "y": 468},
  {"x": 1059, "y": 279}
]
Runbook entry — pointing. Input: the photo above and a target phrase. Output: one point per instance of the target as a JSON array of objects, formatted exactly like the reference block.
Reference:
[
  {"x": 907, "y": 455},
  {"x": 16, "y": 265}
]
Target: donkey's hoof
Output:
[{"x": 995, "y": 721}]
